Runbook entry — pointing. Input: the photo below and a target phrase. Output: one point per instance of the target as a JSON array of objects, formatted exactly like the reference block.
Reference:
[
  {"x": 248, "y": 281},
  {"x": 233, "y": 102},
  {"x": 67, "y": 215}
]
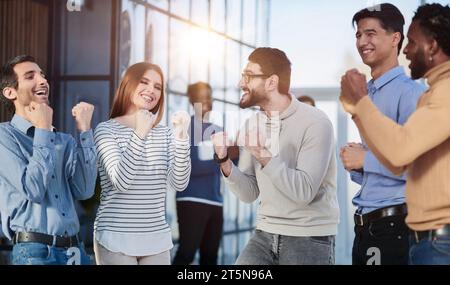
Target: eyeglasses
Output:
[{"x": 247, "y": 76}]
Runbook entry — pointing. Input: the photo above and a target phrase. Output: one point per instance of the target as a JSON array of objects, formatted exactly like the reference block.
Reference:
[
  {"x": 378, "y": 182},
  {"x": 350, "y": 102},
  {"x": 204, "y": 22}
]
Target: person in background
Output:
[
  {"x": 307, "y": 100},
  {"x": 199, "y": 207}
]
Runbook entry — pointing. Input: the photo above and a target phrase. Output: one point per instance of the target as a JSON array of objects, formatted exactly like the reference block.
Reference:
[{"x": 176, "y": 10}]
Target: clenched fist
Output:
[
  {"x": 82, "y": 112},
  {"x": 220, "y": 142},
  {"x": 181, "y": 121},
  {"x": 144, "y": 122},
  {"x": 353, "y": 156},
  {"x": 353, "y": 89},
  {"x": 40, "y": 115}
]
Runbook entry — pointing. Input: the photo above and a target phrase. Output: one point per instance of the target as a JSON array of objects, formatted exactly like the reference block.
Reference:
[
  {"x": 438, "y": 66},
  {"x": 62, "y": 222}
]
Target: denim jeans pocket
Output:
[
  {"x": 389, "y": 229},
  {"x": 324, "y": 240},
  {"x": 442, "y": 245},
  {"x": 30, "y": 253}
]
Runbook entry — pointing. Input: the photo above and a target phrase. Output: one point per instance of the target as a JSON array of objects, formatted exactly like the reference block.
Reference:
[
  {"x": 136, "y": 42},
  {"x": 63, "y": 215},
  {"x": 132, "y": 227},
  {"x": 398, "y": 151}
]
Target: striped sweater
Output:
[{"x": 135, "y": 174}]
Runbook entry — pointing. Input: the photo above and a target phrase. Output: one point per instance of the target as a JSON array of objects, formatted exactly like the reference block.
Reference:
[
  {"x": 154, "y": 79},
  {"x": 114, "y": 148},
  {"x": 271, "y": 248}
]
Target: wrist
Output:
[
  {"x": 84, "y": 128},
  {"x": 220, "y": 160}
]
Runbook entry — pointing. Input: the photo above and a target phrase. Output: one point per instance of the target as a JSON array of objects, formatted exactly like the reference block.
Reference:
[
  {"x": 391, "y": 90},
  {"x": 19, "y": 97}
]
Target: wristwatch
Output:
[{"x": 218, "y": 160}]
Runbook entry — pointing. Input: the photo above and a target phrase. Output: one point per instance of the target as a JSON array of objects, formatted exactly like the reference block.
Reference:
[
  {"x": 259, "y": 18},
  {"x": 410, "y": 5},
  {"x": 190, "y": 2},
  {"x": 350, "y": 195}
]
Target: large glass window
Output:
[
  {"x": 200, "y": 12},
  {"x": 77, "y": 60},
  {"x": 206, "y": 44},
  {"x": 218, "y": 15}
]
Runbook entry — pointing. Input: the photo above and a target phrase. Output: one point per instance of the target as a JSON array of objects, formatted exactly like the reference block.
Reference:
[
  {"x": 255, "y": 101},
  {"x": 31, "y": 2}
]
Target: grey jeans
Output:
[{"x": 272, "y": 249}]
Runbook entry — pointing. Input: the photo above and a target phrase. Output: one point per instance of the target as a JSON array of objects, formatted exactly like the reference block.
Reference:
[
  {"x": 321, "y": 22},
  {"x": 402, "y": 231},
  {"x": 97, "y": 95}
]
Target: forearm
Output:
[
  {"x": 121, "y": 168},
  {"x": 85, "y": 169},
  {"x": 243, "y": 185},
  {"x": 180, "y": 169}
]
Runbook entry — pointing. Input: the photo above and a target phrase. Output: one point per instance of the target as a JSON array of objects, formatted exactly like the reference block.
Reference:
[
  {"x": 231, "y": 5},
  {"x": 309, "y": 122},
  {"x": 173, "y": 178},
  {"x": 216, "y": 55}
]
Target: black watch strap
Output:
[{"x": 218, "y": 160}]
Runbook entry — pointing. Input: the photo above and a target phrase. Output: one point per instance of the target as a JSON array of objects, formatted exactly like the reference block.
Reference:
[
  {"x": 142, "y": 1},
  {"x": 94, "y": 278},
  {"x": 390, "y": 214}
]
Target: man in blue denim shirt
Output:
[
  {"x": 381, "y": 235},
  {"x": 42, "y": 171}
]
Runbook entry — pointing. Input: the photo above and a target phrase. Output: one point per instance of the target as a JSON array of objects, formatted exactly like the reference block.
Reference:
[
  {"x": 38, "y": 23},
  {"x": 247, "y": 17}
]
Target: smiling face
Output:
[
  {"x": 252, "y": 84},
  {"x": 375, "y": 44},
  {"x": 32, "y": 85},
  {"x": 415, "y": 51},
  {"x": 148, "y": 92}
]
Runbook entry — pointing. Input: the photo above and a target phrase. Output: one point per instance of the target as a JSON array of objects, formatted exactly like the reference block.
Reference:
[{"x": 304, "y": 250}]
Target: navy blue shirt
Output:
[
  {"x": 204, "y": 182},
  {"x": 41, "y": 174}
]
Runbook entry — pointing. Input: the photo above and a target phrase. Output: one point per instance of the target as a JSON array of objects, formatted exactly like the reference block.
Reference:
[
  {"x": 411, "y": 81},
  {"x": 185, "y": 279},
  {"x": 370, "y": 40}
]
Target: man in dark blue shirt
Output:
[
  {"x": 199, "y": 207},
  {"x": 43, "y": 171}
]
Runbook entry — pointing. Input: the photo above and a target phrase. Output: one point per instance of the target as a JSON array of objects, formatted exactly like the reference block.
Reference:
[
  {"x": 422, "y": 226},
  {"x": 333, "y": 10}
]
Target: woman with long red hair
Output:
[{"x": 138, "y": 160}]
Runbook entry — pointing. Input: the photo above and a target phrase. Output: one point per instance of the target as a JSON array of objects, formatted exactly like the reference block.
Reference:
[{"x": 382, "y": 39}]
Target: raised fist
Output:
[
  {"x": 144, "y": 122},
  {"x": 221, "y": 143},
  {"x": 40, "y": 115},
  {"x": 82, "y": 112},
  {"x": 181, "y": 121}
]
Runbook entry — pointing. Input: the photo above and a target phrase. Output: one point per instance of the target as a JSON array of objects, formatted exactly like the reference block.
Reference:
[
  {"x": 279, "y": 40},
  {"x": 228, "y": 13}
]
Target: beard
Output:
[
  {"x": 418, "y": 65},
  {"x": 252, "y": 98}
]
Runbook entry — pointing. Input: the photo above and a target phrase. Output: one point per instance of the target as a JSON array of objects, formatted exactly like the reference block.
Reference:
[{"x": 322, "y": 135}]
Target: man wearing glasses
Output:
[{"x": 292, "y": 172}]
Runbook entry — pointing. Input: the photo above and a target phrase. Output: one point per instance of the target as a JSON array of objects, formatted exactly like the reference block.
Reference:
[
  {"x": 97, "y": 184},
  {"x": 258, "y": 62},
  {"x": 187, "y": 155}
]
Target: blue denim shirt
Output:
[
  {"x": 41, "y": 174},
  {"x": 395, "y": 95}
]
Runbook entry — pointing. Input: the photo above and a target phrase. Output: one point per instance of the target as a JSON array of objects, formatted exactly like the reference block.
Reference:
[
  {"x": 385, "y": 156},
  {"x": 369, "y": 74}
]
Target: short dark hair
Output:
[
  {"x": 389, "y": 16},
  {"x": 9, "y": 78},
  {"x": 194, "y": 88},
  {"x": 434, "y": 20},
  {"x": 274, "y": 61}
]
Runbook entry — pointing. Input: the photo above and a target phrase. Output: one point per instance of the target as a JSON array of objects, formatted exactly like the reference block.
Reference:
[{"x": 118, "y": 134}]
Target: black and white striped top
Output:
[{"x": 135, "y": 174}]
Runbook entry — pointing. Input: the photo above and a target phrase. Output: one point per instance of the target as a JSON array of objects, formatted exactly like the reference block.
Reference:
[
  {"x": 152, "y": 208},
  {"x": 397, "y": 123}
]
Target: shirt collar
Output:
[
  {"x": 387, "y": 77},
  {"x": 21, "y": 124},
  {"x": 25, "y": 126},
  {"x": 291, "y": 109}
]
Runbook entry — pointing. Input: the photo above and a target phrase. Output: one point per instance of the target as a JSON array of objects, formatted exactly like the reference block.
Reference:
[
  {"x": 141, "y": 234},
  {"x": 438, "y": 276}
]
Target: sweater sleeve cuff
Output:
[
  {"x": 182, "y": 142},
  {"x": 271, "y": 167},
  {"x": 233, "y": 177}
]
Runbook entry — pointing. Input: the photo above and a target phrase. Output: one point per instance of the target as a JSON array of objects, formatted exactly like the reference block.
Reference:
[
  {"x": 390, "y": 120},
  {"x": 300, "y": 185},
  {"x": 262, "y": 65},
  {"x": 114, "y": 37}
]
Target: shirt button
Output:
[
  {"x": 52, "y": 140},
  {"x": 53, "y": 176},
  {"x": 87, "y": 162},
  {"x": 63, "y": 214},
  {"x": 83, "y": 139},
  {"x": 56, "y": 196}
]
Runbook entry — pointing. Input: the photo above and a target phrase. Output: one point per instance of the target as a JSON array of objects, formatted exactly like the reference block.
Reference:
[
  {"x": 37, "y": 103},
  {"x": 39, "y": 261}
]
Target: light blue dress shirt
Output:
[
  {"x": 42, "y": 173},
  {"x": 395, "y": 95}
]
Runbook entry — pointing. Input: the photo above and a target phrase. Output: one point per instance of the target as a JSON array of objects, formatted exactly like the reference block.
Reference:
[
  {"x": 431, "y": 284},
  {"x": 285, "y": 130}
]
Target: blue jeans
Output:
[
  {"x": 272, "y": 249},
  {"x": 41, "y": 254},
  {"x": 429, "y": 251}
]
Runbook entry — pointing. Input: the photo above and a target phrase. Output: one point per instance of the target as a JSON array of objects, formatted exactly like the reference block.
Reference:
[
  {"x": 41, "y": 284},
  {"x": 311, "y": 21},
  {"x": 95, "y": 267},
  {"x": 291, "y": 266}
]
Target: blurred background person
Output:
[
  {"x": 307, "y": 100},
  {"x": 199, "y": 207}
]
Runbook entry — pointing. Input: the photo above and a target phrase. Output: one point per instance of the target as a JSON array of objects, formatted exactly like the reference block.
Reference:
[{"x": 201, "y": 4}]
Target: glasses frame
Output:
[{"x": 248, "y": 77}]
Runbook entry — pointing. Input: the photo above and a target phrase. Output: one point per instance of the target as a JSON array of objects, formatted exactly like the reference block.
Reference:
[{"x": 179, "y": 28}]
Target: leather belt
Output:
[
  {"x": 361, "y": 220},
  {"x": 431, "y": 234},
  {"x": 57, "y": 241}
]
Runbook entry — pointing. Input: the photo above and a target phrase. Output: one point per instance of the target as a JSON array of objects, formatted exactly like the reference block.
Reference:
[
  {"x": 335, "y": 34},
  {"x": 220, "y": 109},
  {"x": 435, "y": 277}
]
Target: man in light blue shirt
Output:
[
  {"x": 42, "y": 171},
  {"x": 381, "y": 235}
]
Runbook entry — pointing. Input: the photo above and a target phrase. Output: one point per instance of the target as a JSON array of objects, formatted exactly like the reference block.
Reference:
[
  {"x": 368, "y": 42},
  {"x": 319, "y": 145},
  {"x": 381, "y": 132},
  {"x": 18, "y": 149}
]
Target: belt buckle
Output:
[{"x": 359, "y": 219}]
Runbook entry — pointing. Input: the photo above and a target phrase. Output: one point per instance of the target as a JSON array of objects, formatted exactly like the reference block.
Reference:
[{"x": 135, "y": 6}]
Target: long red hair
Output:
[{"x": 128, "y": 85}]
